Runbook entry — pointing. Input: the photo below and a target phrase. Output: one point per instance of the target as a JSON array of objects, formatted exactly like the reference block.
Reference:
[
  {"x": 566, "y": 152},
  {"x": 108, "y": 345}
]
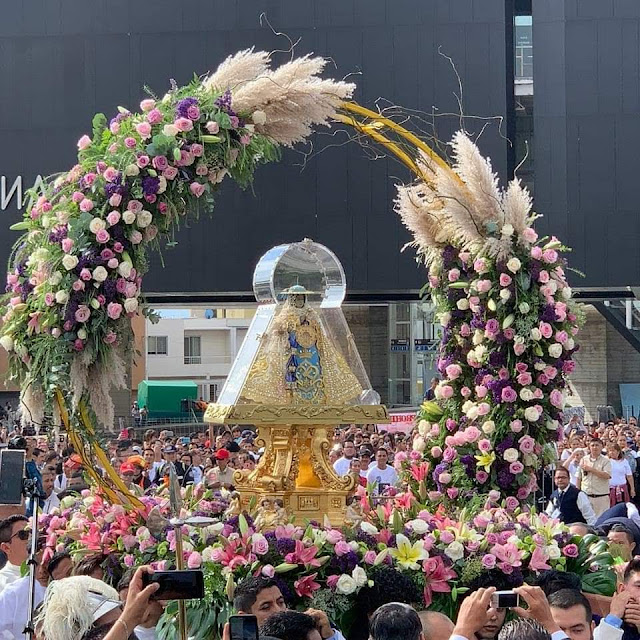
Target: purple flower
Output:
[
  {"x": 150, "y": 185},
  {"x": 182, "y": 108}
]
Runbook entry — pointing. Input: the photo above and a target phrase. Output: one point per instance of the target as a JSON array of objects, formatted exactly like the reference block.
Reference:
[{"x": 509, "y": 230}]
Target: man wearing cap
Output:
[
  {"x": 139, "y": 464},
  {"x": 71, "y": 466},
  {"x": 222, "y": 474},
  {"x": 170, "y": 454},
  {"x": 126, "y": 473}
]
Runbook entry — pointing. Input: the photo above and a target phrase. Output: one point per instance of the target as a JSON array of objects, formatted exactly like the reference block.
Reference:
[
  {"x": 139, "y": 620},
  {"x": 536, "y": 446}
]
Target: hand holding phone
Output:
[{"x": 176, "y": 585}]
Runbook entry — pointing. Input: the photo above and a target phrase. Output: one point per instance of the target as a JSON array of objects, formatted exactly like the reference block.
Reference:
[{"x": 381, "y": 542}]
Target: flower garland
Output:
[
  {"x": 508, "y": 332},
  {"x": 75, "y": 276}
]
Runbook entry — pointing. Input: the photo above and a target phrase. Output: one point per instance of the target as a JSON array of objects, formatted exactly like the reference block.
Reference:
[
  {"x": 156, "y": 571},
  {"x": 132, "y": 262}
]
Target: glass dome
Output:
[{"x": 306, "y": 264}]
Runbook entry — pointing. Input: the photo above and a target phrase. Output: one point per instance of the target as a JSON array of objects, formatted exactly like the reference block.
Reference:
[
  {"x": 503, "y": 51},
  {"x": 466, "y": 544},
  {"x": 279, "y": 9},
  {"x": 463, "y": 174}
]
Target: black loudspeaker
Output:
[{"x": 11, "y": 474}]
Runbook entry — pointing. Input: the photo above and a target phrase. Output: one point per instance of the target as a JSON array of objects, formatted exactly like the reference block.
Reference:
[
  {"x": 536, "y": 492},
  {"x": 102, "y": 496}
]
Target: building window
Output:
[
  {"x": 192, "y": 353},
  {"x": 524, "y": 47},
  {"x": 157, "y": 345}
]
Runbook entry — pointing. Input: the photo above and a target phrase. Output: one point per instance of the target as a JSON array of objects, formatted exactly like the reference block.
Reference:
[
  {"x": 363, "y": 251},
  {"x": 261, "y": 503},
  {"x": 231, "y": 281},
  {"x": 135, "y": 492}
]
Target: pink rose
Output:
[
  {"x": 516, "y": 467},
  {"x": 480, "y": 265},
  {"x": 530, "y": 235},
  {"x": 136, "y": 237},
  {"x": 113, "y": 217},
  {"x": 84, "y": 143},
  {"x": 449, "y": 454},
  {"x": 482, "y": 476},
  {"x": 465, "y": 330},
  {"x": 509, "y": 333},
  {"x": 488, "y": 561},
  {"x": 85, "y": 275},
  {"x": 536, "y": 253},
  {"x": 103, "y": 236},
  {"x": 550, "y": 256},
  {"x": 195, "y": 560},
  {"x": 436, "y": 452},
  {"x": 183, "y": 124},
  {"x": 453, "y": 371},
  {"x": 134, "y": 206},
  {"x": 483, "y": 286},
  {"x": 143, "y": 129},
  {"x": 143, "y": 161},
  {"x": 196, "y": 189},
  {"x": 570, "y": 551},
  {"x": 446, "y": 537},
  {"x": 130, "y": 142},
  {"x": 484, "y": 445},
  {"x": 110, "y": 174},
  {"x": 524, "y": 379},
  {"x": 334, "y": 536},
  {"x": 342, "y": 548},
  {"x": 118, "y": 247},
  {"x": 511, "y": 503},
  {"x": 147, "y": 104},
  {"x": 471, "y": 433},
  {"x": 260, "y": 545},
  {"x": 67, "y": 245},
  {"x": 505, "y": 280},
  {"x": 160, "y": 163},
  {"x": 543, "y": 277},
  {"x": 453, "y": 275},
  {"x": 235, "y": 121},
  {"x": 370, "y": 557},
  {"x": 212, "y": 127},
  {"x": 518, "y": 349},
  {"x": 86, "y": 205},
  {"x": 115, "y": 200},
  {"x": 78, "y": 285},
  {"x": 154, "y": 116},
  {"x": 452, "y": 493},
  {"x": 114, "y": 310},
  {"x": 202, "y": 170},
  {"x": 332, "y": 582},
  {"x": 483, "y": 409},
  {"x": 49, "y": 299},
  {"x": 114, "y": 127},
  {"x": 556, "y": 398},
  {"x": 465, "y": 392},
  {"x": 197, "y": 150},
  {"x": 527, "y": 444},
  {"x": 481, "y": 391},
  {"x": 110, "y": 338},
  {"x": 170, "y": 173},
  {"x": 82, "y": 313},
  {"x": 545, "y": 329}
]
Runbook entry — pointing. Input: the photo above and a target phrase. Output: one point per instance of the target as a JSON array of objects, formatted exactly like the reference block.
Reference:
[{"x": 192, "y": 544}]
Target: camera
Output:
[{"x": 505, "y": 600}]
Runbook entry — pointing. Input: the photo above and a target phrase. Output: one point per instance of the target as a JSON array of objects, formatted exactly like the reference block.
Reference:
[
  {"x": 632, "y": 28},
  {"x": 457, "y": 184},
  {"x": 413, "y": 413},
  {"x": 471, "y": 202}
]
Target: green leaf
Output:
[
  {"x": 99, "y": 123},
  {"x": 20, "y": 226}
]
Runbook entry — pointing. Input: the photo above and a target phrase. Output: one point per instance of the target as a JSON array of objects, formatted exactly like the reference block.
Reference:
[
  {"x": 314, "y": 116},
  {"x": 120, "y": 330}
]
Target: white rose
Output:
[
  {"x": 472, "y": 414},
  {"x": 526, "y": 394},
  {"x": 369, "y": 529},
  {"x": 423, "y": 427},
  {"x": 259, "y": 117},
  {"x": 82, "y": 334},
  {"x": 489, "y": 427},
  {"x": 69, "y": 262},
  {"x": 97, "y": 224},
  {"x": 455, "y": 551},
  {"x": 170, "y": 130},
  {"x": 570, "y": 344},
  {"x": 507, "y": 230},
  {"x": 518, "y": 339},
  {"x": 62, "y": 297},
  {"x": 99, "y": 274},
  {"x": 445, "y": 318},
  {"x": 419, "y": 444},
  {"x": 124, "y": 269},
  {"x": 552, "y": 425},
  {"x": 566, "y": 293},
  {"x": 511, "y": 455},
  {"x": 162, "y": 185},
  {"x": 131, "y": 305},
  {"x": 144, "y": 218},
  {"x": 535, "y": 334},
  {"x": 514, "y": 265},
  {"x": 462, "y": 304},
  {"x": 505, "y": 294},
  {"x": 418, "y": 526},
  {"x": 539, "y": 366},
  {"x": 478, "y": 337},
  {"x": 360, "y": 576},
  {"x": 554, "y": 551},
  {"x": 555, "y": 350},
  {"x": 346, "y": 585},
  {"x": 131, "y": 170},
  {"x": 55, "y": 278},
  {"x": 7, "y": 343},
  {"x": 129, "y": 217},
  {"x": 531, "y": 414}
]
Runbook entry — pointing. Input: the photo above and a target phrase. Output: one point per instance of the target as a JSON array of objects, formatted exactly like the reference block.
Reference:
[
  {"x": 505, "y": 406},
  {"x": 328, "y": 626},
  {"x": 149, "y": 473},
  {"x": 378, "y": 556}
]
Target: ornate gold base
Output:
[{"x": 296, "y": 471}]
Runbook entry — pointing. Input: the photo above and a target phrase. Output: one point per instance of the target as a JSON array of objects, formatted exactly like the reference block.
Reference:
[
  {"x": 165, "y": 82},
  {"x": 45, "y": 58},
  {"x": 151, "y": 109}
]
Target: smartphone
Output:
[
  {"x": 243, "y": 627},
  {"x": 505, "y": 600},
  {"x": 176, "y": 585}
]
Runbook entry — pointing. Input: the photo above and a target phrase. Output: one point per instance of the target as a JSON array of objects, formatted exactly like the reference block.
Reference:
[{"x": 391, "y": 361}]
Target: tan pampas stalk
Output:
[
  {"x": 238, "y": 69},
  {"x": 517, "y": 204},
  {"x": 293, "y": 99},
  {"x": 480, "y": 179},
  {"x": 32, "y": 405}
]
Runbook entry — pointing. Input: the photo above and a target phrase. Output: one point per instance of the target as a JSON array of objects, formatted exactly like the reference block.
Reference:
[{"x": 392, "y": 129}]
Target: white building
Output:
[{"x": 195, "y": 344}]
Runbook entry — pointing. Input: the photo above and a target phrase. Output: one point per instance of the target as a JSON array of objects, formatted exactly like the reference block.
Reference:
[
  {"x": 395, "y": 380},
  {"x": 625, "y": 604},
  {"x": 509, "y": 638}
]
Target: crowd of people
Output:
[{"x": 595, "y": 474}]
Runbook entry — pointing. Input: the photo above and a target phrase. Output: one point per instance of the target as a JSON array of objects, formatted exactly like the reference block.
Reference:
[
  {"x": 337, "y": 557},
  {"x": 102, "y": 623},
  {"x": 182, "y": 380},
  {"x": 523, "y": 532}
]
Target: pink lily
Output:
[
  {"x": 538, "y": 561},
  {"x": 437, "y": 575},
  {"x": 303, "y": 555},
  {"x": 306, "y": 586}
]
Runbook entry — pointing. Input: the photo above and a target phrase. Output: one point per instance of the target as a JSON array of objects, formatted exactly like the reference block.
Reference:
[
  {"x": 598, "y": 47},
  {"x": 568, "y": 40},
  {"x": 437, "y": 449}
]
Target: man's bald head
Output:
[{"x": 435, "y": 625}]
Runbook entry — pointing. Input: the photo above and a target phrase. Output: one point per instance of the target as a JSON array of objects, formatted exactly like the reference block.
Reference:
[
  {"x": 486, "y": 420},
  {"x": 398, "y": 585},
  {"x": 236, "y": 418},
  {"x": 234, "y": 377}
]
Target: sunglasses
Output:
[{"x": 23, "y": 535}]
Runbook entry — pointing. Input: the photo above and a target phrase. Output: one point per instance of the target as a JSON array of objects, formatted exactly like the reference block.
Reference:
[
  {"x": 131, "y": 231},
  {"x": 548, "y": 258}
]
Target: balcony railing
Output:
[{"x": 208, "y": 359}]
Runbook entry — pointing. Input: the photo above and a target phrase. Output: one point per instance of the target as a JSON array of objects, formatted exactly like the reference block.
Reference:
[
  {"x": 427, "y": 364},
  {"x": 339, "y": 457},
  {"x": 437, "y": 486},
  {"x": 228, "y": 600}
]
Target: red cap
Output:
[
  {"x": 74, "y": 461},
  {"x": 222, "y": 454},
  {"x": 127, "y": 467}
]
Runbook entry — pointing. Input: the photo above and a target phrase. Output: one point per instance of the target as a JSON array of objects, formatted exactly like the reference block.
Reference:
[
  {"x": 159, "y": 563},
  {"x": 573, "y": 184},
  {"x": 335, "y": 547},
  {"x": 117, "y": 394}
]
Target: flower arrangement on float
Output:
[
  {"x": 509, "y": 330},
  {"x": 317, "y": 565},
  {"x": 75, "y": 276}
]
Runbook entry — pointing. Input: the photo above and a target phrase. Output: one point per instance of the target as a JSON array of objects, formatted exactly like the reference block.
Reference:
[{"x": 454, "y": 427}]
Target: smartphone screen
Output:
[
  {"x": 176, "y": 585},
  {"x": 243, "y": 627}
]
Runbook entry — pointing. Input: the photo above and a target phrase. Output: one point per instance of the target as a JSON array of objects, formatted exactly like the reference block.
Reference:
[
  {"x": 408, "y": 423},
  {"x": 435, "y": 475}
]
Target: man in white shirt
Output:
[
  {"x": 382, "y": 475},
  {"x": 342, "y": 465},
  {"x": 51, "y": 500},
  {"x": 14, "y": 544}
]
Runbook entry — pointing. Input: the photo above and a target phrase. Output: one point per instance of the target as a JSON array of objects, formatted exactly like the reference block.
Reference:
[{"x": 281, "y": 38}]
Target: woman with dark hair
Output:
[{"x": 621, "y": 483}]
